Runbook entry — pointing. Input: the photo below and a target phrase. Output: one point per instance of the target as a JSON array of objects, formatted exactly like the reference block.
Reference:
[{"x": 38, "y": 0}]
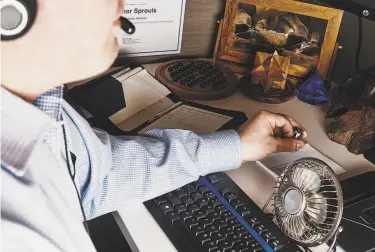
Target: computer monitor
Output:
[{"x": 364, "y": 8}]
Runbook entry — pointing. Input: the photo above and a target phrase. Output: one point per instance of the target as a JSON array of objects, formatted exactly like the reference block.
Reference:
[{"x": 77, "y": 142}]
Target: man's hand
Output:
[{"x": 268, "y": 133}]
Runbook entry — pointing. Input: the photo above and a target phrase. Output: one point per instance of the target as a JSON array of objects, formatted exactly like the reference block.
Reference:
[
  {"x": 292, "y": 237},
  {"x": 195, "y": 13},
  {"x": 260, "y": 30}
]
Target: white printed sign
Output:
[{"x": 159, "y": 26}]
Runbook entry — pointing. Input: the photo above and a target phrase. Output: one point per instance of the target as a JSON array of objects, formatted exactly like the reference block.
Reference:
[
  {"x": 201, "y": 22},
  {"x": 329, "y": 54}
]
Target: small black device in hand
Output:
[{"x": 297, "y": 133}]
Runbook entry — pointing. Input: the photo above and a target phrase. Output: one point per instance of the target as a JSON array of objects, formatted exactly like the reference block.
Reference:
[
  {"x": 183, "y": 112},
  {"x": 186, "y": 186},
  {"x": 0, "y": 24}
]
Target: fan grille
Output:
[{"x": 308, "y": 202}]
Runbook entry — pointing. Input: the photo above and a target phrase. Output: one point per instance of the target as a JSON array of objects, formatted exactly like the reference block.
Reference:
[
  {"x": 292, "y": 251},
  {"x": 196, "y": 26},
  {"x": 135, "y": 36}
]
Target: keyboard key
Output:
[
  {"x": 260, "y": 228},
  {"x": 211, "y": 244},
  {"x": 196, "y": 196},
  {"x": 190, "y": 188},
  {"x": 173, "y": 216},
  {"x": 220, "y": 223},
  {"x": 213, "y": 216},
  {"x": 214, "y": 249},
  {"x": 180, "y": 208},
  {"x": 197, "y": 184},
  {"x": 199, "y": 214},
  {"x": 204, "y": 238},
  {"x": 208, "y": 209},
  {"x": 267, "y": 236},
  {"x": 255, "y": 247},
  {"x": 193, "y": 208},
  {"x": 191, "y": 222},
  {"x": 276, "y": 245},
  {"x": 233, "y": 239},
  {"x": 205, "y": 222},
  {"x": 217, "y": 237},
  {"x": 214, "y": 202},
  {"x": 236, "y": 203},
  {"x": 196, "y": 230},
  {"x": 202, "y": 202},
  {"x": 224, "y": 246},
  {"x": 243, "y": 210},
  {"x": 213, "y": 179},
  {"x": 230, "y": 196},
  {"x": 240, "y": 231},
  {"x": 160, "y": 200},
  {"x": 187, "y": 200},
  {"x": 253, "y": 221},
  {"x": 173, "y": 199},
  {"x": 180, "y": 192},
  {"x": 209, "y": 195},
  {"x": 203, "y": 189},
  {"x": 226, "y": 230},
  {"x": 248, "y": 239},
  {"x": 224, "y": 191},
  {"x": 212, "y": 229},
  {"x": 186, "y": 215},
  {"x": 221, "y": 209},
  {"x": 240, "y": 247},
  {"x": 227, "y": 216},
  {"x": 233, "y": 223},
  {"x": 166, "y": 207}
]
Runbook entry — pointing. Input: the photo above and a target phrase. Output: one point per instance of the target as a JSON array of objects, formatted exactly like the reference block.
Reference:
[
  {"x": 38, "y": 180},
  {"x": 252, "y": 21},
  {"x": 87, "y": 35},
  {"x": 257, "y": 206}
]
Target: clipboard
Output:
[{"x": 102, "y": 99}]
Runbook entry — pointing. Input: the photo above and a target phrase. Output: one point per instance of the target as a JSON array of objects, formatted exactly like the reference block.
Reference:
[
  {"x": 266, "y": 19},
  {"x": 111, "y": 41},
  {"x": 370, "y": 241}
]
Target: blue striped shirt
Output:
[{"x": 40, "y": 208}]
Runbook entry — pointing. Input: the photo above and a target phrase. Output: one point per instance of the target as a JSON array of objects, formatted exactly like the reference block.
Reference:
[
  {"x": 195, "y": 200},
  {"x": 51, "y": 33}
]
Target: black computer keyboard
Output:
[{"x": 213, "y": 214}]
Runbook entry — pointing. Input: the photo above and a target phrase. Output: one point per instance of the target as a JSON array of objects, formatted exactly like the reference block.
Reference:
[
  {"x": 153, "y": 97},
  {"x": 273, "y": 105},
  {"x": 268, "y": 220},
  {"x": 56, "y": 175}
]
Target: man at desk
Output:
[{"x": 50, "y": 154}]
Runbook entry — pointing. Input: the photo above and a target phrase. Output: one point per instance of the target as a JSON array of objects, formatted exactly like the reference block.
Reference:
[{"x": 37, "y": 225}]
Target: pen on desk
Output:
[{"x": 163, "y": 113}]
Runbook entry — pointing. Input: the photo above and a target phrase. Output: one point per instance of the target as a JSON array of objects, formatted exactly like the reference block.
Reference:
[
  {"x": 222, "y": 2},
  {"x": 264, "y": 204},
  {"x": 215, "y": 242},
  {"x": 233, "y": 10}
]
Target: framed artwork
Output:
[{"x": 305, "y": 33}]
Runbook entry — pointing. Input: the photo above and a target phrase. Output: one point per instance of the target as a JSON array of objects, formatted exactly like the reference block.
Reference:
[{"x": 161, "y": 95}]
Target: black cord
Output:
[
  {"x": 72, "y": 177},
  {"x": 359, "y": 44}
]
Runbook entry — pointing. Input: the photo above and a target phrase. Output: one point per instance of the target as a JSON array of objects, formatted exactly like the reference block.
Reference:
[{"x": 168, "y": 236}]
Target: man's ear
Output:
[{"x": 17, "y": 17}]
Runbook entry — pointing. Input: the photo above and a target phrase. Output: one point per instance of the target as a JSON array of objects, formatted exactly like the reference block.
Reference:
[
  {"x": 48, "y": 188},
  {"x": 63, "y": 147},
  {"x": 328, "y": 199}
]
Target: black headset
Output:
[{"x": 18, "y": 16}]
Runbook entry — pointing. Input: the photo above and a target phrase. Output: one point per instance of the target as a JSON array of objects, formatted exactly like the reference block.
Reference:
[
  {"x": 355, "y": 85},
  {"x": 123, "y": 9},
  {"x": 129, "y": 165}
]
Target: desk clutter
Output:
[
  {"x": 131, "y": 100},
  {"x": 278, "y": 46},
  {"x": 197, "y": 79},
  {"x": 350, "y": 119}
]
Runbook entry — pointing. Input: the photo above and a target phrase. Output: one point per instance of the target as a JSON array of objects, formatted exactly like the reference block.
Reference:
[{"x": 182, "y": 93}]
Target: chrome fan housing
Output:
[{"x": 308, "y": 202}]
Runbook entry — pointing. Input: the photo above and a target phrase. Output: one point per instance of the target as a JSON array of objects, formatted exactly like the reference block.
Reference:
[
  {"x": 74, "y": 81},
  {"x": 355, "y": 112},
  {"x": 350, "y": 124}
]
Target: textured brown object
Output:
[
  {"x": 355, "y": 130},
  {"x": 272, "y": 96},
  {"x": 270, "y": 70},
  {"x": 198, "y": 89}
]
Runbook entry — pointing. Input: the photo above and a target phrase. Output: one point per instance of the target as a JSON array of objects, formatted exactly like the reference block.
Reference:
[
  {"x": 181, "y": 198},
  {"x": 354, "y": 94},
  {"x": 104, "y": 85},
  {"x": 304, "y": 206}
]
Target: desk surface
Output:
[
  {"x": 137, "y": 219},
  {"x": 311, "y": 117}
]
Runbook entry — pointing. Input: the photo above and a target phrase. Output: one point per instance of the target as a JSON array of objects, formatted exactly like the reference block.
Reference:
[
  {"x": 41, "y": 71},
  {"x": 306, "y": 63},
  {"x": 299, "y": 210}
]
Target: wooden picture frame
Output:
[{"x": 241, "y": 61}]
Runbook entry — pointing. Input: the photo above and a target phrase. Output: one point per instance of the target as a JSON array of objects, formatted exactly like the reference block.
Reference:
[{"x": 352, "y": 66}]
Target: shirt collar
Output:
[{"x": 23, "y": 125}]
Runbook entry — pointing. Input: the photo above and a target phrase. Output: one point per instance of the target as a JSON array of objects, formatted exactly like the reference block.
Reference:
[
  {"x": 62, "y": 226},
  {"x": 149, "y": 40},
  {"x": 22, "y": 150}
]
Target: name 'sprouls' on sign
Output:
[{"x": 140, "y": 11}]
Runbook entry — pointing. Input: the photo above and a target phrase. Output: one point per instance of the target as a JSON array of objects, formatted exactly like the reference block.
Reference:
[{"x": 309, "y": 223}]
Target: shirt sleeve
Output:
[{"x": 114, "y": 170}]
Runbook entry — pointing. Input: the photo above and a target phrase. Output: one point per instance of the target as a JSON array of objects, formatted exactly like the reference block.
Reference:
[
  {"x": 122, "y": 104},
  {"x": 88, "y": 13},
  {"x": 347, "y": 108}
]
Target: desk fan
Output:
[{"x": 308, "y": 203}]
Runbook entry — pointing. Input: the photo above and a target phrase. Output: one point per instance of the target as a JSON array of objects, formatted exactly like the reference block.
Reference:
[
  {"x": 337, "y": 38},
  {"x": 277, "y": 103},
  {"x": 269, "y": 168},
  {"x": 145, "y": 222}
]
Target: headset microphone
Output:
[
  {"x": 17, "y": 17},
  {"x": 127, "y": 26}
]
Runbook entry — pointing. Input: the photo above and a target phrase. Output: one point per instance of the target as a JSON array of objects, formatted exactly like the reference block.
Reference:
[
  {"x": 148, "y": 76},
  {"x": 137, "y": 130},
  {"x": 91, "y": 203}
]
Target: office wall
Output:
[{"x": 200, "y": 30}]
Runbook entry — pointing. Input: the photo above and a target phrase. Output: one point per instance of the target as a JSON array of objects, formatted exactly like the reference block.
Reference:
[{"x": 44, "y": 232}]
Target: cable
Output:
[
  {"x": 268, "y": 201},
  {"x": 72, "y": 177},
  {"x": 359, "y": 44},
  {"x": 356, "y": 222}
]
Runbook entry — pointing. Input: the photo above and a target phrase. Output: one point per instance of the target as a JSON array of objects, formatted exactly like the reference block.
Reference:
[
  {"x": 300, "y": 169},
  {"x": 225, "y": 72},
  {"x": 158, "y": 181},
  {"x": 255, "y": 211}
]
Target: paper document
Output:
[
  {"x": 190, "y": 118},
  {"x": 141, "y": 90},
  {"x": 146, "y": 114},
  {"x": 159, "y": 25},
  {"x": 276, "y": 163}
]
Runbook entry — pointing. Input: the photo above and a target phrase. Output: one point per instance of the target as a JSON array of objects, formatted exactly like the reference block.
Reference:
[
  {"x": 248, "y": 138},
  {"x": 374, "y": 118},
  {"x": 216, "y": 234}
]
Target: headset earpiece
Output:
[{"x": 17, "y": 17}]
